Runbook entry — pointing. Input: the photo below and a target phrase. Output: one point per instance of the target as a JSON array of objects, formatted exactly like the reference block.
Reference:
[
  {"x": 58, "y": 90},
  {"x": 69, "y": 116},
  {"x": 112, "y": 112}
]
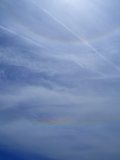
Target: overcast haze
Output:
[{"x": 59, "y": 79}]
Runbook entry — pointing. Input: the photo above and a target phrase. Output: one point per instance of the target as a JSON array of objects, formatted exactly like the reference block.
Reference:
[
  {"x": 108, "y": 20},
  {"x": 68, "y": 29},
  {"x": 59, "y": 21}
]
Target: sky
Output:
[{"x": 59, "y": 80}]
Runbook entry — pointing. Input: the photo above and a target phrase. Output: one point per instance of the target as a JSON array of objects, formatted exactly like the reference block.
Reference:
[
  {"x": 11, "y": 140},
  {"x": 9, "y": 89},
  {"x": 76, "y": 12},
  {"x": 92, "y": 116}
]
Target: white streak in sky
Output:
[
  {"x": 21, "y": 36},
  {"x": 80, "y": 39},
  {"x": 7, "y": 29}
]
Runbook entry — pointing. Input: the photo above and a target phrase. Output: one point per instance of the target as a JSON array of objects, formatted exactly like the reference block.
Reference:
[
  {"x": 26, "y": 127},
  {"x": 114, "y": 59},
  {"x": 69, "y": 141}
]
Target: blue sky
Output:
[{"x": 59, "y": 79}]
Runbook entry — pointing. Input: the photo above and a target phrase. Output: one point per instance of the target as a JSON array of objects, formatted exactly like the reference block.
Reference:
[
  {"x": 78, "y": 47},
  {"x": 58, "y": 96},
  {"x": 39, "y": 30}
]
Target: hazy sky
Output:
[{"x": 59, "y": 79}]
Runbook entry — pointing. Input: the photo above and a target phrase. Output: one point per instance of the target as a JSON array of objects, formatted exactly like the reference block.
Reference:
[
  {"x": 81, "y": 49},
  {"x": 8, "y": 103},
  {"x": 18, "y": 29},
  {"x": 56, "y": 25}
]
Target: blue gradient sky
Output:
[{"x": 59, "y": 79}]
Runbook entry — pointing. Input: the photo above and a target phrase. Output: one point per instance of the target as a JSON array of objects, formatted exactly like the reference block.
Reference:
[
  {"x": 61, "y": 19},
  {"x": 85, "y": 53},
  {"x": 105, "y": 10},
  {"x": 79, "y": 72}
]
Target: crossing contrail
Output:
[{"x": 84, "y": 41}]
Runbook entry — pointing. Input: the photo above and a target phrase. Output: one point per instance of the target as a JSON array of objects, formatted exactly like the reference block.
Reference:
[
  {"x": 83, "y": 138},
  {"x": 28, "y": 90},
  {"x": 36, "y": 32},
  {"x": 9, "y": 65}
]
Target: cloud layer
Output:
[{"x": 59, "y": 79}]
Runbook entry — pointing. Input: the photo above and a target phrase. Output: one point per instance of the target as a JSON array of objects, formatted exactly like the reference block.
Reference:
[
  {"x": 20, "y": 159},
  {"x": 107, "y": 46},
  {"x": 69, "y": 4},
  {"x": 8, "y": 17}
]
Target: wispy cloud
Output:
[{"x": 59, "y": 78}]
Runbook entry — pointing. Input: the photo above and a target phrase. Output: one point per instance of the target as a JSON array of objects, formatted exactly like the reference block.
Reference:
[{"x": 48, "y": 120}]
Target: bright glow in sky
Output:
[{"x": 73, "y": 2}]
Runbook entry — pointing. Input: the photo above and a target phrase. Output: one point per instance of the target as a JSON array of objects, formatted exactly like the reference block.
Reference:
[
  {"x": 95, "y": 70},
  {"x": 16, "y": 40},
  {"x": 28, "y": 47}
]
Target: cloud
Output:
[{"x": 59, "y": 95}]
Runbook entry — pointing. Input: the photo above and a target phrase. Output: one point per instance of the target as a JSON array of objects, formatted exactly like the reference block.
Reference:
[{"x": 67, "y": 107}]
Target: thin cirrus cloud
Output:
[{"x": 59, "y": 79}]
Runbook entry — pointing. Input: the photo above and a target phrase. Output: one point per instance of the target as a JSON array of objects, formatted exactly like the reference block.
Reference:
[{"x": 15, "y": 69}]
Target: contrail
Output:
[
  {"x": 80, "y": 39},
  {"x": 7, "y": 29},
  {"x": 21, "y": 36}
]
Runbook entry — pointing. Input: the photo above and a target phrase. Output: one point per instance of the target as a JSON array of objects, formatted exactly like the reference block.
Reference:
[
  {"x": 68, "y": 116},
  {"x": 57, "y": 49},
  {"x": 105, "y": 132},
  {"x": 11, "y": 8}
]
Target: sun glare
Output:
[{"x": 76, "y": 4}]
